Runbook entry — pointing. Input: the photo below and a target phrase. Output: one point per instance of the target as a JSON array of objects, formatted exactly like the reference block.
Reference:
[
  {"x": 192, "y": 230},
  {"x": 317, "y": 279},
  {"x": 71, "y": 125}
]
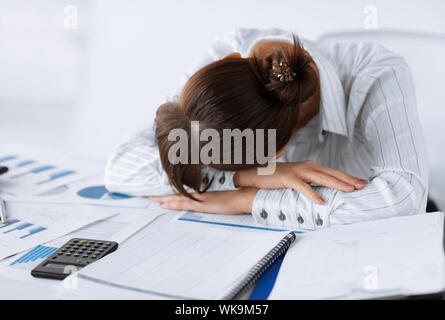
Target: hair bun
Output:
[{"x": 288, "y": 75}]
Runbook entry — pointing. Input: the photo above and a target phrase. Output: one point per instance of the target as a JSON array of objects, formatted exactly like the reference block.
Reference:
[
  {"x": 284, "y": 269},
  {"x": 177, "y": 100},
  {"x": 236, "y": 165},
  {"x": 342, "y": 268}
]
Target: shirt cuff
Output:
[
  {"x": 286, "y": 207},
  {"x": 218, "y": 180}
]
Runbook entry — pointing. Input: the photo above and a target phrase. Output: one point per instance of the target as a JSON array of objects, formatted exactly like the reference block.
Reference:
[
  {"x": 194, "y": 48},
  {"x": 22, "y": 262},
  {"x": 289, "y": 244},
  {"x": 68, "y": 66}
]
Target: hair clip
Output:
[{"x": 283, "y": 72}]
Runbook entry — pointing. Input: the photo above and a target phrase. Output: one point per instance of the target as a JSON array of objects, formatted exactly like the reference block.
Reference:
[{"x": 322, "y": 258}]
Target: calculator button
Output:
[
  {"x": 83, "y": 241},
  {"x": 68, "y": 254},
  {"x": 78, "y": 260},
  {"x": 76, "y": 255},
  {"x": 85, "y": 256},
  {"x": 59, "y": 253},
  {"x": 93, "y": 256}
]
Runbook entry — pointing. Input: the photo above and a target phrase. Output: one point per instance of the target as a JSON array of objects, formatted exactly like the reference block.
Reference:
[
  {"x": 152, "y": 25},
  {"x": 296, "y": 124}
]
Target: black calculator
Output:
[{"x": 72, "y": 256}]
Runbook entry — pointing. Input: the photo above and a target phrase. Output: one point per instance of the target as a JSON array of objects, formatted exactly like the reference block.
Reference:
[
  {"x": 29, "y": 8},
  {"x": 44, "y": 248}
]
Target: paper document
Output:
[
  {"x": 31, "y": 224},
  {"x": 389, "y": 257},
  {"x": 230, "y": 220},
  {"x": 33, "y": 172},
  {"x": 90, "y": 190},
  {"x": 182, "y": 262}
]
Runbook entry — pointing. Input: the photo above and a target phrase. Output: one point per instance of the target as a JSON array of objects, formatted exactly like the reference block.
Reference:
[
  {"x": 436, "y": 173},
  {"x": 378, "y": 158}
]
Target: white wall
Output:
[{"x": 136, "y": 50}]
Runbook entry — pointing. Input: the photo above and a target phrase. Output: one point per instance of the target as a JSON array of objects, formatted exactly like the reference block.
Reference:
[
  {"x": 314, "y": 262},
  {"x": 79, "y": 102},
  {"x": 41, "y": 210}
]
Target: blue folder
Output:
[{"x": 265, "y": 283}]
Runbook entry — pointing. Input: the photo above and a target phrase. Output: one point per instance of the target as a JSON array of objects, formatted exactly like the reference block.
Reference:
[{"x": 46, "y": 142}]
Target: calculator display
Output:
[{"x": 55, "y": 265}]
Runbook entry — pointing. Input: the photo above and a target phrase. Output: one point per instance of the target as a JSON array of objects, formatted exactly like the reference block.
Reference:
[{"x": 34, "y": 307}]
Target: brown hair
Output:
[{"x": 236, "y": 93}]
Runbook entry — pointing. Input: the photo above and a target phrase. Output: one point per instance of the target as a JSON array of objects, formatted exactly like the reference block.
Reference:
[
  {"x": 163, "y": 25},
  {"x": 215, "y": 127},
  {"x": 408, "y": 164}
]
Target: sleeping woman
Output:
[{"x": 345, "y": 143}]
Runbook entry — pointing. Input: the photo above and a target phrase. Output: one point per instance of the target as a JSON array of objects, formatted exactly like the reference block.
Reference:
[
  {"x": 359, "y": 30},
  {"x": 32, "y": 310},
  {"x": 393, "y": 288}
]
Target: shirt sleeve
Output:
[
  {"x": 399, "y": 184},
  {"x": 135, "y": 167}
]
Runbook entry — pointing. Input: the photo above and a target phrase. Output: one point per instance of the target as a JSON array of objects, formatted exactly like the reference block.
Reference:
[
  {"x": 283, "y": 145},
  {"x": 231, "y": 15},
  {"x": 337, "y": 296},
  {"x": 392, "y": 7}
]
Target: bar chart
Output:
[
  {"x": 33, "y": 257},
  {"x": 36, "y": 172},
  {"x": 27, "y": 228}
]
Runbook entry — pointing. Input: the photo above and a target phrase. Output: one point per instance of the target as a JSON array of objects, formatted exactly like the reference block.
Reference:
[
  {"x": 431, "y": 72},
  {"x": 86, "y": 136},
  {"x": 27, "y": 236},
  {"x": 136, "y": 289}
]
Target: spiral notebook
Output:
[
  {"x": 185, "y": 262},
  {"x": 262, "y": 266}
]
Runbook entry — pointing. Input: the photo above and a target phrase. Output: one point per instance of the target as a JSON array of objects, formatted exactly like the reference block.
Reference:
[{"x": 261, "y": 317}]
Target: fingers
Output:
[
  {"x": 330, "y": 181},
  {"x": 177, "y": 205},
  {"x": 351, "y": 180},
  {"x": 221, "y": 202},
  {"x": 304, "y": 188},
  {"x": 175, "y": 202}
]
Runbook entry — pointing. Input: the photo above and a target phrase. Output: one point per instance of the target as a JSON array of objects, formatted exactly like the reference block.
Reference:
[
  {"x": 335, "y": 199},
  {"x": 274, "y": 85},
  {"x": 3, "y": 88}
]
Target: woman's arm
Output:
[
  {"x": 135, "y": 168},
  {"x": 298, "y": 176}
]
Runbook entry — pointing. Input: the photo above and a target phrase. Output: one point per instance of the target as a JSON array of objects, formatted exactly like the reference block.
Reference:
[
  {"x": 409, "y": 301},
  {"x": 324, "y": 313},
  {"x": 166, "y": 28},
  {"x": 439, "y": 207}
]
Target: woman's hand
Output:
[
  {"x": 297, "y": 176},
  {"x": 222, "y": 202}
]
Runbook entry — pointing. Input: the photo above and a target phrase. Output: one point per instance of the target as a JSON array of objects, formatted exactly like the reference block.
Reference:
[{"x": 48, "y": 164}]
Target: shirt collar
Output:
[{"x": 332, "y": 104}]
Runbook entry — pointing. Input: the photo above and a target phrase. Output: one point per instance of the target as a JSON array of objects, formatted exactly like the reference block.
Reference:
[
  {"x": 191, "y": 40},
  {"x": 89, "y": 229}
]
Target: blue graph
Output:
[
  {"x": 35, "y": 170},
  {"x": 33, "y": 231},
  {"x": 20, "y": 227},
  {"x": 45, "y": 172},
  {"x": 9, "y": 223},
  {"x": 39, "y": 252},
  {"x": 100, "y": 192},
  {"x": 7, "y": 158},
  {"x": 23, "y": 226},
  {"x": 57, "y": 175},
  {"x": 25, "y": 163}
]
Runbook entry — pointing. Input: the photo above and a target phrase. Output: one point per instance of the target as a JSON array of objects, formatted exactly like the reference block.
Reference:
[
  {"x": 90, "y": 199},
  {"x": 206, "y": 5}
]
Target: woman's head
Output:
[{"x": 237, "y": 93}]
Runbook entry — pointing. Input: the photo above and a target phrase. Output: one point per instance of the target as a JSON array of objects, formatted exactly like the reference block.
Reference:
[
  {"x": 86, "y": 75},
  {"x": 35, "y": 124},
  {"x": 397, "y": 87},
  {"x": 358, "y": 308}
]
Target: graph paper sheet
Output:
[{"x": 31, "y": 224}]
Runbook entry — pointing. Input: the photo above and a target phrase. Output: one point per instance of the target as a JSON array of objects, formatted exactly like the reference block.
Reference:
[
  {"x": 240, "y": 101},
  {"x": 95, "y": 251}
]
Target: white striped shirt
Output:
[{"x": 367, "y": 126}]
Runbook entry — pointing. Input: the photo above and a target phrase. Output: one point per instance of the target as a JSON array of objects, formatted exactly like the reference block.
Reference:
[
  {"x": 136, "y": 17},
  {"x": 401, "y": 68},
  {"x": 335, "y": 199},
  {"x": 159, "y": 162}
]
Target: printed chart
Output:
[
  {"x": 37, "y": 173},
  {"x": 33, "y": 257},
  {"x": 100, "y": 192},
  {"x": 31, "y": 224},
  {"x": 21, "y": 229}
]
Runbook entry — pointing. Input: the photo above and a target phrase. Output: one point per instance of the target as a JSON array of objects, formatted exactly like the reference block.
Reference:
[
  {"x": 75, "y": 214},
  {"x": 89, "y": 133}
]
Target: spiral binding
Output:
[{"x": 257, "y": 271}]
